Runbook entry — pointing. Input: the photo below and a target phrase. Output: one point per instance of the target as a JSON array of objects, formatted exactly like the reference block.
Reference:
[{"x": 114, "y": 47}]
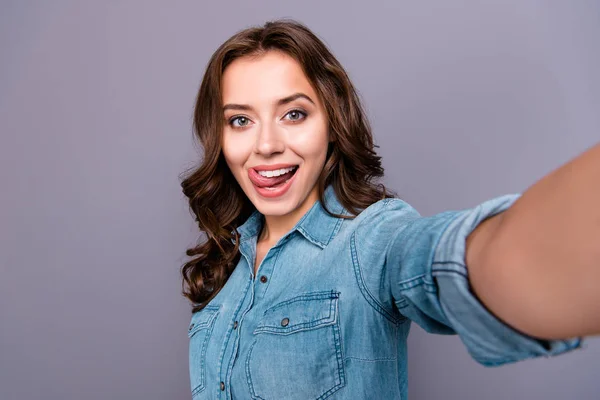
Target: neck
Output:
[{"x": 278, "y": 225}]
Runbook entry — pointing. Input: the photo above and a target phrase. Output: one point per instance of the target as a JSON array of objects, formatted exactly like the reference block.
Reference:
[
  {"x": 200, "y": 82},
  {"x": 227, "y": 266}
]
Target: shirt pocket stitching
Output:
[
  {"x": 299, "y": 320},
  {"x": 270, "y": 324}
]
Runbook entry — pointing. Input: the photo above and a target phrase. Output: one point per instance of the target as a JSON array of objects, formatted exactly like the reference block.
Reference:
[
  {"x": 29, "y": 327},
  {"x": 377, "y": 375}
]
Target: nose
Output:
[{"x": 269, "y": 140}]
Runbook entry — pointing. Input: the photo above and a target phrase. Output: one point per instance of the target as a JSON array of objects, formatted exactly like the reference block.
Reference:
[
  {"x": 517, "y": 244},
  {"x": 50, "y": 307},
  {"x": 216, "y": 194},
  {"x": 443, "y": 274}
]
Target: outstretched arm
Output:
[{"x": 536, "y": 266}]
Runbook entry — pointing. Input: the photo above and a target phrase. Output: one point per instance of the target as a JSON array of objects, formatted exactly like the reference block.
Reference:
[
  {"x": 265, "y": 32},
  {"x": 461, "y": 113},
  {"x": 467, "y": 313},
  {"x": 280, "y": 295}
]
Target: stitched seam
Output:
[
  {"x": 311, "y": 238},
  {"x": 277, "y": 254},
  {"x": 248, "y": 375},
  {"x": 300, "y": 228},
  {"x": 369, "y": 360},
  {"x": 335, "y": 230},
  {"x": 450, "y": 271},
  {"x": 327, "y": 295},
  {"x": 361, "y": 284},
  {"x": 412, "y": 282},
  {"x": 341, "y": 379},
  {"x": 307, "y": 326},
  {"x": 202, "y": 378},
  {"x": 222, "y": 351},
  {"x": 199, "y": 326},
  {"x": 236, "y": 340},
  {"x": 338, "y": 345},
  {"x": 331, "y": 296},
  {"x": 432, "y": 261}
]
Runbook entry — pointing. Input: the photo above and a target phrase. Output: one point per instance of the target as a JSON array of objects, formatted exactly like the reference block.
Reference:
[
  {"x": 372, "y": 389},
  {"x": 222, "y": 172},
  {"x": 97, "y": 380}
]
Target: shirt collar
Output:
[{"x": 317, "y": 226}]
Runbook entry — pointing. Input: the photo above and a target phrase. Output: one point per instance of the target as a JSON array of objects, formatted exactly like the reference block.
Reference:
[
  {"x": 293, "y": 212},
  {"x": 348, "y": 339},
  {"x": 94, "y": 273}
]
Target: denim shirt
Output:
[{"x": 328, "y": 314}]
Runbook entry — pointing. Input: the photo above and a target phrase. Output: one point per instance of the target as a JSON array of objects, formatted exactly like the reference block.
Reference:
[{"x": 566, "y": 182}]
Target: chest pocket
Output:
[
  {"x": 199, "y": 332},
  {"x": 297, "y": 352}
]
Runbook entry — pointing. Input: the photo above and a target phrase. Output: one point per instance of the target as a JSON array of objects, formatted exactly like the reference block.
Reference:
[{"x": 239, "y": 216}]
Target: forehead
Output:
[{"x": 264, "y": 79}]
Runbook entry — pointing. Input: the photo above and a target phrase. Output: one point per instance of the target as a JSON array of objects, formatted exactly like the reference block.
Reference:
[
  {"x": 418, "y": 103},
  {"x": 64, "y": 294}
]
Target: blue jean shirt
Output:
[{"x": 328, "y": 314}]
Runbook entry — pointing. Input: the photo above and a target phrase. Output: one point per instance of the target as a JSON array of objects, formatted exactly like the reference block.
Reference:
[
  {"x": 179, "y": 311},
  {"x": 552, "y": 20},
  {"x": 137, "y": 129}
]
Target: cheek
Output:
[
  {"x": 234, "y": 153},
  {"x": 313, "y": 145}
]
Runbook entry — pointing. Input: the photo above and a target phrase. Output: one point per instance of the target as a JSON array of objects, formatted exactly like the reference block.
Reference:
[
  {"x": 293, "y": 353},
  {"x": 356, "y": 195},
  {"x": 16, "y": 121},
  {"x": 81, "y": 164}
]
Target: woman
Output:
[{"x": 312, "y": 272}]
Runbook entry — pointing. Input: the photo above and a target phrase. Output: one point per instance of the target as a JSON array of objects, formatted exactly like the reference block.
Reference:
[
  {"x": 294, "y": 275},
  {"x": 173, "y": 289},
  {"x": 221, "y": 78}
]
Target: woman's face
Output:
[{"x": 275, "y": 133}]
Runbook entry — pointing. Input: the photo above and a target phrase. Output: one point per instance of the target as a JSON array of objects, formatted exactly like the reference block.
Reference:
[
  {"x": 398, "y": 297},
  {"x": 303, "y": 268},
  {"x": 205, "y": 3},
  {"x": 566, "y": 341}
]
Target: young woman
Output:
[{"x": 312, "y": 272}]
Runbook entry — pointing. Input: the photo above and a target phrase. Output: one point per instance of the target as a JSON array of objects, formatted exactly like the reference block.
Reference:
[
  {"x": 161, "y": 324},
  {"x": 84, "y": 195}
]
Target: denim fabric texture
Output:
[{"x": 328, "y": 314}]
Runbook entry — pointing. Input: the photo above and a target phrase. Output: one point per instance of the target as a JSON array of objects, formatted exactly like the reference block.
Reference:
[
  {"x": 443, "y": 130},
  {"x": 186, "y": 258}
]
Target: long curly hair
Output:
[{"x": 220, "y": 206}]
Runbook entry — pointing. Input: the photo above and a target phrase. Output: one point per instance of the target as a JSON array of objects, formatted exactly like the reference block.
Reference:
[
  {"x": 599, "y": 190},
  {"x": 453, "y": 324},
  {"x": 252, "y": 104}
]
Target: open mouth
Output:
[{"x": 272, "y": 179}]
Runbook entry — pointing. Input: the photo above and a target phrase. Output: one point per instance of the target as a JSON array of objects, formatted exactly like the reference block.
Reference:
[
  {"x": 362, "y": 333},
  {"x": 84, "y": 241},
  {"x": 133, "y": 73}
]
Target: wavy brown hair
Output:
[{"x": 215, "y": 198}]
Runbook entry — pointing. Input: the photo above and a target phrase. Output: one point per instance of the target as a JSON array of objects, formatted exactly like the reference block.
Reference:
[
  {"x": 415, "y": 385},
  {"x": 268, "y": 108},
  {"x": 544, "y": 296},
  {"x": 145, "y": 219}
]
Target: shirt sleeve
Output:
[{"x": 424, "y": 274}]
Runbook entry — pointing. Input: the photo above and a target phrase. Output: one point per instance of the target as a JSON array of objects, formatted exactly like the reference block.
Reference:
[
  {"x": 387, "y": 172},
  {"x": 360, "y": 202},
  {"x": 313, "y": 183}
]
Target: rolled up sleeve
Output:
[{"x": 429, "y": 282}]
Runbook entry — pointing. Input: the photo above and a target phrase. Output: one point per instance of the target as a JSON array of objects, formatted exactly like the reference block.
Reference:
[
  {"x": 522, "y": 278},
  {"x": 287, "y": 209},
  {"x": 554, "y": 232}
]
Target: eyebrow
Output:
[{"x": 280, "y": 102}]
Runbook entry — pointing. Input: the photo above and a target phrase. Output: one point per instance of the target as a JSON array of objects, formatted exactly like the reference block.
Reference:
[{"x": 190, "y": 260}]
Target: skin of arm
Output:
[{"x": 536, "y": 266}]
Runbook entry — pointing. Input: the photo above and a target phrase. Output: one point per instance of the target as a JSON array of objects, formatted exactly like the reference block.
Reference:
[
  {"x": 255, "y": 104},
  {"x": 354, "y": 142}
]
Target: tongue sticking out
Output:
[{"x": 263, "y": 181}]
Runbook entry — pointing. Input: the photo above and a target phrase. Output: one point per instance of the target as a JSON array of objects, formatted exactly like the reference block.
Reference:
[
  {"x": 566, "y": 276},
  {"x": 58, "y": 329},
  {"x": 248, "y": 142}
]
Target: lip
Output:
[
  {"x": 270, "y": 193},
  {"x": 273, "y": 167}
]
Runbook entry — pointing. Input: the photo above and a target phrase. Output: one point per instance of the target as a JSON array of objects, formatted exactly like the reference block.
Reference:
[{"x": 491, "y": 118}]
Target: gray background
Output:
[{"x": 469, "y": 100}]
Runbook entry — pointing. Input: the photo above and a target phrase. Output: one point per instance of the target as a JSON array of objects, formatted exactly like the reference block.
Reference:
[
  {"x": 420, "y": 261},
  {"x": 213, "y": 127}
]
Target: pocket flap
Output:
[
  {"x": 202, "y": 319},
  {"x": 308, "y": 311}
]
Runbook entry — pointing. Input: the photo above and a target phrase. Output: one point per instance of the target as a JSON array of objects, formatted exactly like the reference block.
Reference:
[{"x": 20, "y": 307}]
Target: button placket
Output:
[
  {"x": 265, "y": 270},
  {"x": 241, "y": 308}
]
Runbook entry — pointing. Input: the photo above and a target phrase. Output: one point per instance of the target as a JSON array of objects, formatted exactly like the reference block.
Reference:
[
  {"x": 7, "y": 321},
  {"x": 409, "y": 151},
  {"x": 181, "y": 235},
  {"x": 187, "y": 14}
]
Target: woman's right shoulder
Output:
[{"x": 385, "y": 214}]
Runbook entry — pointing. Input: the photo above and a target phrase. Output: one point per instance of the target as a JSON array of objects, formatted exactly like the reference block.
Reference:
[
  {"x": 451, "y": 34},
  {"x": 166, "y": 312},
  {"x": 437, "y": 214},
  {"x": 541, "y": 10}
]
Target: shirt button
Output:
[
  {"x": 263, "y": 279},
  {"x": 191, "y": 327},
  {"x": 235, "y": 324},
  {"x": 222, "y": 386},
  {"x": 285, "y": 322}
]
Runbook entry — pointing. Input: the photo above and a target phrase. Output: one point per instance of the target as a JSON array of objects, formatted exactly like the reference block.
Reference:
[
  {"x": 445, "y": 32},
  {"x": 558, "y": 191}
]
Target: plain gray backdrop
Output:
[{"x": 468, "y": 100}]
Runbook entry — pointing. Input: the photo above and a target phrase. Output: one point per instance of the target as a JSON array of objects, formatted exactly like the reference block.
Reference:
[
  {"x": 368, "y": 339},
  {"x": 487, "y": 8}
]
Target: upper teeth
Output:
[{"x": 276, "y": 172}]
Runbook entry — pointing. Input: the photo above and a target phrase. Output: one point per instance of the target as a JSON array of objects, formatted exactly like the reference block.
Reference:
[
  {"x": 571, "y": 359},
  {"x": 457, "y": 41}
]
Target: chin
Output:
[{"x": 276, "y": 208}]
